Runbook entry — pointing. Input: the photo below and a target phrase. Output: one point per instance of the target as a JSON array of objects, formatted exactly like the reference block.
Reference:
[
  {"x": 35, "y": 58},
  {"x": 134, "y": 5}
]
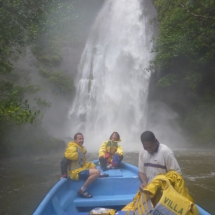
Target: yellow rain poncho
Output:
[
  {"x": 76, "y": 154},
  {"x": 111, "y": 148},
  {"x": 169, "y": 195}
]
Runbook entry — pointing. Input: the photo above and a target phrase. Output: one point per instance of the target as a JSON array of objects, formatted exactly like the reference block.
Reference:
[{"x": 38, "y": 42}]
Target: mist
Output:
[
  {"x": 163, "y": 121},
  {"x": 109, "y": 65},
  {"x": 113, "y": 80}
]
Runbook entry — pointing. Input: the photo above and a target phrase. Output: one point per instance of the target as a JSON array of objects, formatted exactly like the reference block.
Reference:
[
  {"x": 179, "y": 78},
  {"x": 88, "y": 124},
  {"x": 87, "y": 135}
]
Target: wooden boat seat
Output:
[
  {"x": 121, "y": 188},
  {"x": 76, "y": 213},
  {"x": 112, "y": 172},
  {"x": 87, "y": 213},
  {"x": 102, "y": 201}
]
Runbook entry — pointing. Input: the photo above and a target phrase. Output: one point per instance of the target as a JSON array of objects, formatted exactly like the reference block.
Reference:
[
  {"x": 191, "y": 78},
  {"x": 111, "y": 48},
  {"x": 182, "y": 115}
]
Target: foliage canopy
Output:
[
  {"x": 185, "y": 55},
  {"x": 23, "y": 23}
]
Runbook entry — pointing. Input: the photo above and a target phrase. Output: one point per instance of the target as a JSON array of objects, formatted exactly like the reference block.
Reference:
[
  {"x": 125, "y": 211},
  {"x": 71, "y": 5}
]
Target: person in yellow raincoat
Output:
[
  {"x": 75, "y": 166},
  {"x": 111, "y": 153}
]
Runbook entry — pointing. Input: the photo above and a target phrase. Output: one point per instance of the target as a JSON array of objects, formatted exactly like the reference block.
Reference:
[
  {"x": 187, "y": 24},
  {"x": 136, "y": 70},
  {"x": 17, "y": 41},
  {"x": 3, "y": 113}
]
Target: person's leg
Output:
[
  {"x": 93, "y": 175},
  {"x": 90, "y": 175},
  {"x": 103, "y": 162},
  {"x": 117, "y": 160},
  {"x": 120, "y": 160}
]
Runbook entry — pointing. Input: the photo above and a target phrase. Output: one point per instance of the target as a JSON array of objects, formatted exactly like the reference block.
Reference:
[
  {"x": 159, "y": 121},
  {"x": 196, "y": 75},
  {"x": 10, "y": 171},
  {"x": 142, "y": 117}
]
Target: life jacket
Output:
[
  {"x": 75, "y": 164},
  {"x": 76, "y": 155},
  {"x": 111, "y": 148},
  {"x": 171, "y": 202},
  {"x": 141, "y": 205},
  {"x": 177, "y": 181}
]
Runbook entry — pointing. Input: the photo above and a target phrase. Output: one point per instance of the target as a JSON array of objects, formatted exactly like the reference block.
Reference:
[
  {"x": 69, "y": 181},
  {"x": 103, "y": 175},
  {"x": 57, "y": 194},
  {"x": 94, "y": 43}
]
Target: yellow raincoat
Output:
[
  {"x": 168, "y": 193},
  {"x": 76, "y": 154},
  {"x": 112, "y": 148}
]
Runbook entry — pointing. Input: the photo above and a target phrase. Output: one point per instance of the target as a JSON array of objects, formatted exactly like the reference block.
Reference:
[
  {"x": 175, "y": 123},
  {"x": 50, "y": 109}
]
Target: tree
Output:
[
  {"x": 185, "y": 55},
  {"x": 21, "y": 23}
]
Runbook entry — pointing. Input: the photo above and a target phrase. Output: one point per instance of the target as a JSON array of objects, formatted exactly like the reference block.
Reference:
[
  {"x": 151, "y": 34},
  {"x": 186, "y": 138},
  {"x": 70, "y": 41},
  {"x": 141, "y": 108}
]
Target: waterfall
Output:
[{"x": 112, "y": 83}]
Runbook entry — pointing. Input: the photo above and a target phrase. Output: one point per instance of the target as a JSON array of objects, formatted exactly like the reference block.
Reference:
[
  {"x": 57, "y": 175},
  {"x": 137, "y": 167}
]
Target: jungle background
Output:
[{"x": 41, "y": 42}]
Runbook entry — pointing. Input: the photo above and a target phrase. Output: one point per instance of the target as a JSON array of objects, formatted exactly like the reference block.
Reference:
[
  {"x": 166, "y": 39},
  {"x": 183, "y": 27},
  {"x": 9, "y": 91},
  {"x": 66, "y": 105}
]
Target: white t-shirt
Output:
[{"x": 160, "y": 162}]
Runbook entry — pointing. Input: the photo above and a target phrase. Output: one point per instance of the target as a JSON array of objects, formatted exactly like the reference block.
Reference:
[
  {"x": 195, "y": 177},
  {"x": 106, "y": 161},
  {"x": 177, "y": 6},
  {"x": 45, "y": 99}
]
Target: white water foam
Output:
[{"x": 113, "y": 80}]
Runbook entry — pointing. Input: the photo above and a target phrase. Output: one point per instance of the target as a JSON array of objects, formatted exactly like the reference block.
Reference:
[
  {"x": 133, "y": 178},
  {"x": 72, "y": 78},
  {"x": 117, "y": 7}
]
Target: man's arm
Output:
[
  {"x": 172, "y": 163},
  {"x": 143, "y": 179},
  {"x": 102, "y": 149},
  {"x": 141, "y": 172},
  {"x": 64, "y": 163}
]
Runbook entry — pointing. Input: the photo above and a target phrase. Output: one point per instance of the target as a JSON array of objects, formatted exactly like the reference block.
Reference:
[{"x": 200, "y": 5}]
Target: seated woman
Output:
[{"x": 111, "y": 153}]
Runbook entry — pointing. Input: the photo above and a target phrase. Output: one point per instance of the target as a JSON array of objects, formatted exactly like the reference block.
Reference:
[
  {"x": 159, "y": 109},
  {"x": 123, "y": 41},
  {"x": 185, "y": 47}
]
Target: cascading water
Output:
[{"x": 112, "y": 84}]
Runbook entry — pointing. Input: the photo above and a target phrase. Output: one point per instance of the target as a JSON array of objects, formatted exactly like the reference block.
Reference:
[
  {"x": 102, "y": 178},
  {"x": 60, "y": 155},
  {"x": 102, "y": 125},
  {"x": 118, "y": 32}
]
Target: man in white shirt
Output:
[{"x": 155, "y": 158}]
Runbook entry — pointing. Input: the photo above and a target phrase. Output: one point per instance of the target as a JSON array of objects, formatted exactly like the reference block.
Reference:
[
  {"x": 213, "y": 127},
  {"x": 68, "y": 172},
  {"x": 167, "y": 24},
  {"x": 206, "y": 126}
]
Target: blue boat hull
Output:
[{"x": 114, "y": 192}]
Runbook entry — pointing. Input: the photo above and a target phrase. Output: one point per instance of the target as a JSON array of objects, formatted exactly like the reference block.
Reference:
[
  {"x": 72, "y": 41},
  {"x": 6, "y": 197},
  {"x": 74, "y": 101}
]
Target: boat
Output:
[{"x": 115, "y": 192}]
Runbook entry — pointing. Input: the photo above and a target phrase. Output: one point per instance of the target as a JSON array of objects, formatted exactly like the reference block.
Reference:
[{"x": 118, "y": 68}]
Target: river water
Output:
[{"x": 25, "y": 181}]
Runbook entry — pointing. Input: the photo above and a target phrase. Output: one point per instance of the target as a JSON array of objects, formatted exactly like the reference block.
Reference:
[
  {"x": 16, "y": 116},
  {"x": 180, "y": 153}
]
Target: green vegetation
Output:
[
  {"x": 185, "y": 56},
  {"x": 24, "y": 24},
  {"x": 60, "y": 81},
  {"x": 185, "y": 50},
  {"x": 42, "y": 28}
]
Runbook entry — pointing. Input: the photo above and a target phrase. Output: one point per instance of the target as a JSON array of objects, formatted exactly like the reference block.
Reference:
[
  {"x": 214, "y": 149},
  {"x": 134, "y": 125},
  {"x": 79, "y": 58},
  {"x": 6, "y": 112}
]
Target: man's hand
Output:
[
  {"x": 143, "y": 179},
  {"x": 142, "y": 186},
  {"x": 63, "y": 176},
  {"x": 107, "y": 155}
]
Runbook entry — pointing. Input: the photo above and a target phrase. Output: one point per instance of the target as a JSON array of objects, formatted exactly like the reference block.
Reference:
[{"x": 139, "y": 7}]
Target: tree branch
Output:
[{"x": 196, "y": 15}]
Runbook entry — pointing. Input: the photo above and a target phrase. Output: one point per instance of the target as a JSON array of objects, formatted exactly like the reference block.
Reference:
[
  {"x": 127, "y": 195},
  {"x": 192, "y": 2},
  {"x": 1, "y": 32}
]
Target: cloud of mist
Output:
[
  {"x": 164, "y": 123},
  {"x": 159, "y": 118},
  {"x": 113, "y": 80}
]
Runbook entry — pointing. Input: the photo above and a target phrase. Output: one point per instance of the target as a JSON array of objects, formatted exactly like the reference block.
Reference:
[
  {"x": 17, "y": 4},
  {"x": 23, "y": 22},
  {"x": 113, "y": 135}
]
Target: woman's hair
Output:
[{"x": 117, "y": 134}]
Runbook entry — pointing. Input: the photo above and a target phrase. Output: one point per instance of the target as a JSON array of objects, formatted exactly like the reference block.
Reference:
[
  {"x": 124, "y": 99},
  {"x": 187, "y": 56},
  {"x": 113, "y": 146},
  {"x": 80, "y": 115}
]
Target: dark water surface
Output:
[{"x": 25, "y": 181}]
